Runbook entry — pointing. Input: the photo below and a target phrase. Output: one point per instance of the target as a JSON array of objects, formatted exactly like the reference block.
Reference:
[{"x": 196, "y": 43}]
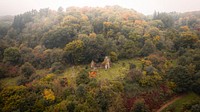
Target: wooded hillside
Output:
[{"x": 47, "y": 56}]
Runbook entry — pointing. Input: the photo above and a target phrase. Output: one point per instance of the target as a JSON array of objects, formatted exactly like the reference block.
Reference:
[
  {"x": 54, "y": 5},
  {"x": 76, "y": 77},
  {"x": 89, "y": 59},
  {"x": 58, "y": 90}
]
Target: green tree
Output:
[
  {"x": 186, "y": 40},
  {"x": 14, "y": 99},
  {"x": 3, "y": 46},
  {"x": 57, "y": 67},
  {"x": 26, "y": 54},
  {"x": 74, "y": 51},
  {"x": 196, "y": 82},
  {"x": 181, "y": 77},
  {"x": 21, "y": 20},
  {"x": 104, "y": 98},
  {"x": 128, "y": 49},
  {"x": 133, "y": 76},
  {"x": 148, "y": 48},
  {"x": 157, "y": 23},
  {"x": 97, "y": 48},
  {"x": 139, "y": 106},
  {"x": 81, "y": 91},
  {"x": 58, "y": 37},
  {"x": 12, "y": 55},
  {"x": 166, "y": 18},
  {"x": 153, "y": 32},
  {"x": 81, "y": 107}
]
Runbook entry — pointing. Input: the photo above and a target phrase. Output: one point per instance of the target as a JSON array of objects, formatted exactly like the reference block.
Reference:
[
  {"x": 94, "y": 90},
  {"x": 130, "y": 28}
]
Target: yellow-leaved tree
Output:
[{"x": 49, "y": 94}]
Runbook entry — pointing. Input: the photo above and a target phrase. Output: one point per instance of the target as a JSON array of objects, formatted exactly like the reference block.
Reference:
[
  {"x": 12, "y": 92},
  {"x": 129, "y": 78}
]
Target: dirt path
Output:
[{"x": 169, "y": 103}]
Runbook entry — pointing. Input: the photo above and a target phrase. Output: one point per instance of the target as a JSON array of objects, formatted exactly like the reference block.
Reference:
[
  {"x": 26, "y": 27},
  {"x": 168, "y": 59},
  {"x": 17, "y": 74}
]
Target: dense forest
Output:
[{"x": 46, "y": 59}]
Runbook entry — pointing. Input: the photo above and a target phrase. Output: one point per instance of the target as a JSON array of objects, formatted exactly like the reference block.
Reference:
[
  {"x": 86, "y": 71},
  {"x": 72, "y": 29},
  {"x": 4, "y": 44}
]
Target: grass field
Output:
[
  {"x": 117, "y": 70},
  {"x": 178, "y": 105}
]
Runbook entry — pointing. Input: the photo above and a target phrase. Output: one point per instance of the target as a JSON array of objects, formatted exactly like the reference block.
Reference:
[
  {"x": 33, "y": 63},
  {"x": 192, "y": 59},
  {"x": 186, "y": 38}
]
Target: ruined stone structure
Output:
[
  {"x": 105, "y": 64},
  {"x": 92, "y": 65}
]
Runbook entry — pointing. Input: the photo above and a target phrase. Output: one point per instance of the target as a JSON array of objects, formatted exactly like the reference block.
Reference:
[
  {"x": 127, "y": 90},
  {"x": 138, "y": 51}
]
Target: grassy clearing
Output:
[
  {"x": 117, "y": 70},
  {"x": 72, "y": 71},
  {"x": 178, "y": 105}
]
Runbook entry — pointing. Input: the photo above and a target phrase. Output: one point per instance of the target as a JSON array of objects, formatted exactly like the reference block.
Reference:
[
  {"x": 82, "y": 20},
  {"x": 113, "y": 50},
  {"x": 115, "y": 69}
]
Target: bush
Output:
[
  {"x": 81, "y": 107},
  {"x": 8, "y": 70},
  {"x": 196, "y": 83},
  {"x": 27, "y": 70},
  {"x": 57, "y": 67},
  {"x": 193, "y": 106},
  {"x": 183, "y": 60},
  {"x": 157, "y": 60},
  {"x": 83, "y": 77},
  {"x": 13, "y": 98},
  {"x": 139, "y": 106},
  {"x": 148, "y": 48},
  {"x": 2, "y": 71},
  {"x": 113, "y": 56},
  {"x": 150, "y": 70},
  {"x": 48, "y": 94},
  {"x": 81, "y": 91},
  {"x": 132, "y": 66},
  {"x": 22, "y": 81},
  {"x": 71, "y": 106},
  {"x": 134, "y": 75}
]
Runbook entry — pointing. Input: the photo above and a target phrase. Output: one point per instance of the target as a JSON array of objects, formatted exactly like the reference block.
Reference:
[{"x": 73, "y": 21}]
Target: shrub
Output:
[
  {"x": 27, "y": 70},
  {"x": 2, "y": 71},
  {"x": 81, "y": 91},
  {"x": 148, "y": 48},
  {"x": 57, "y": 67},
  {"x": 113, "y": 56},
  {"x": 49, "y": 95},
  {"x": 83, "y": 77},
  {"x": 22, "y": 81},
  {"x": 132, "y": 66},
  {"x": 193, "y": 106},
  {"x": 139, "y": 106},
  {"x": 196, "y": 83},
  {"x": 81, "y": 107},
  {"x": 134, "y": 75},
  {"x": 8, "y": 71},
  {"x": 13, "y": 98}
]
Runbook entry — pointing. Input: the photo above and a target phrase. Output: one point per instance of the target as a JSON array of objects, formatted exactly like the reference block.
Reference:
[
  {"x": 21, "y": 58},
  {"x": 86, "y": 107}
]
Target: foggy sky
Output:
[{"x": 13, "y": 7}]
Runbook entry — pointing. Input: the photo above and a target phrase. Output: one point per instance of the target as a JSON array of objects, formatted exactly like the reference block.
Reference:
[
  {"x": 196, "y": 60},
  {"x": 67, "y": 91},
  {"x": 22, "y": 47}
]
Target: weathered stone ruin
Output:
[{"x": 105, "y": 64}]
